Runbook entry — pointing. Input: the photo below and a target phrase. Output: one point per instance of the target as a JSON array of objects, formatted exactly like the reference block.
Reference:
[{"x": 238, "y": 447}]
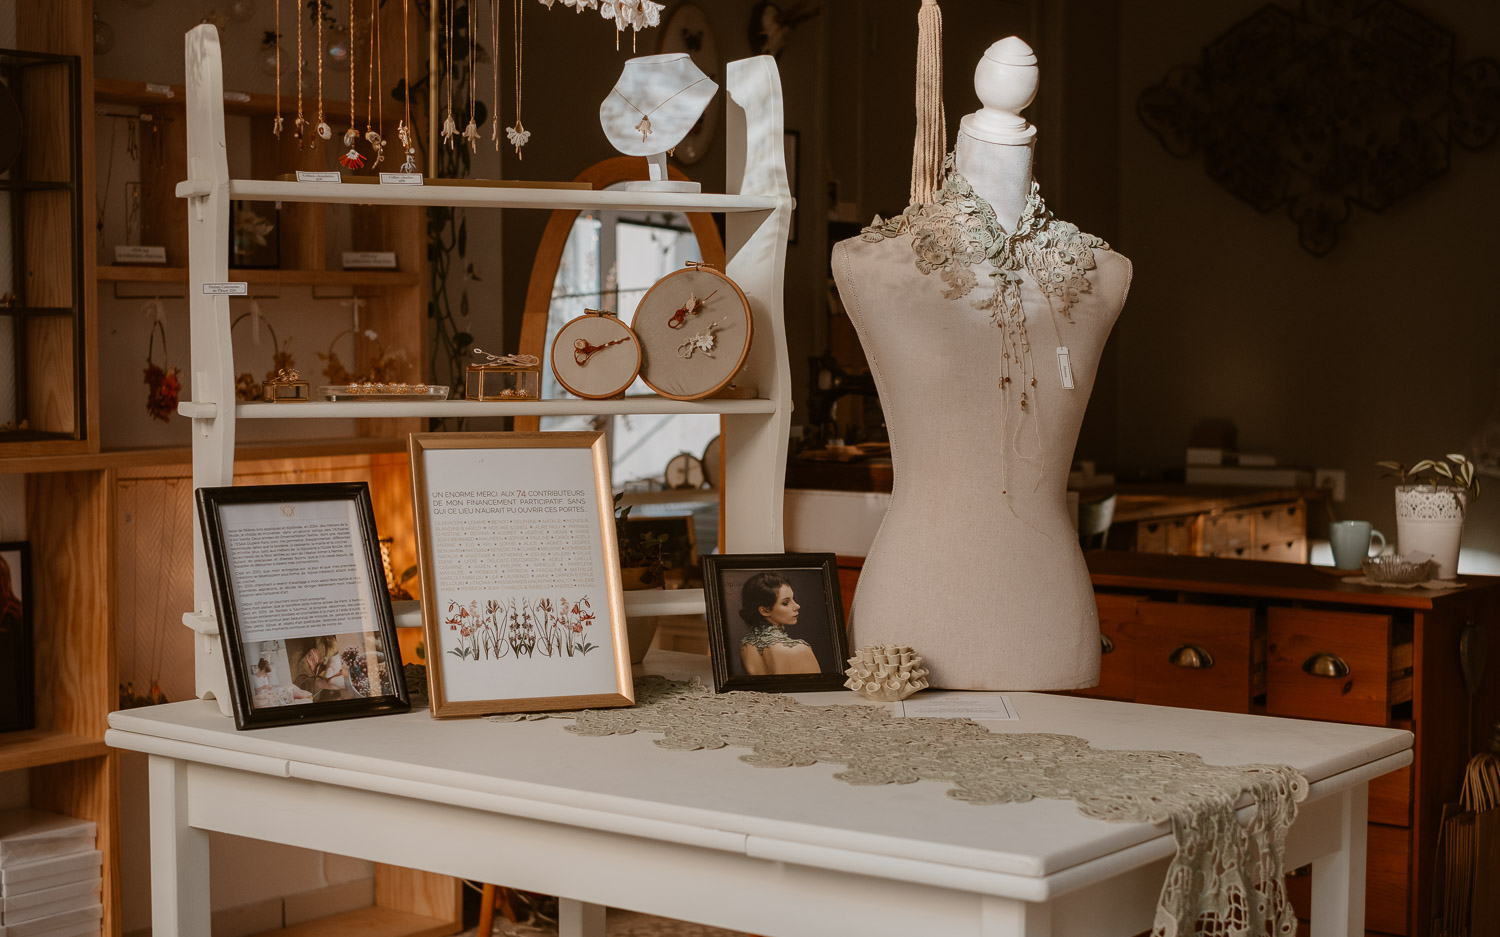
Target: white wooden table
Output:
[{"x": 701, "y": 836}]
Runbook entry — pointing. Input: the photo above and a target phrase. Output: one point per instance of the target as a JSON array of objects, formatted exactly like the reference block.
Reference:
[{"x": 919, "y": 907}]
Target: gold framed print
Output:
[{"x": 522, "y": 607}]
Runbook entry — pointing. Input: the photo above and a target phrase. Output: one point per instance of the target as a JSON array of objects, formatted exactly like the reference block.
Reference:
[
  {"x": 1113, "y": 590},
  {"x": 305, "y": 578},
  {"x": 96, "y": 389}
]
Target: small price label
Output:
[
  {"x": 369, "y": 260},
  {"x": 163, "y": 90},
  {"x": 321, "y": 176},
  {"x": 226, "y": 289},
  {"x": 1065, "y": 367},
  {"x": 139, "y": 254},
  {"x": 400, "y": 178},
  {"x": 238, "y": 97}
]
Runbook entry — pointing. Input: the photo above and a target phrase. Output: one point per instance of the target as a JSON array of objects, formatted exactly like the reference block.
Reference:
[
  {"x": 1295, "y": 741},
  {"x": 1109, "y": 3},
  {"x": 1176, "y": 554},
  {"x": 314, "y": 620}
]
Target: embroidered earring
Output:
[
  {"x": 404, "y": 131},
  {"x": 276, "y": 124},
  {"x": 450, "y": 129},
  {"x": 583, "y": 351},
  {"x": 704, "y": 341},
  {"x": 518, "y": 135},
  {"x": 471, "y": 132},
  {"x": 495, "y": 75},
  {"x": 300, "y": 125},
  {"x": 372, "y": 135},
  {"x": 692, "y": 307},
  {"x": 353, "y": 159},
  {"x": 324, "y": 131}
]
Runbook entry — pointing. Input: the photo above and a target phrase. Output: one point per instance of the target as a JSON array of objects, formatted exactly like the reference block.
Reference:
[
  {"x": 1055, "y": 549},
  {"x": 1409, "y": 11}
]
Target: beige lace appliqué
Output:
[{"x": 1226, "y": 879}]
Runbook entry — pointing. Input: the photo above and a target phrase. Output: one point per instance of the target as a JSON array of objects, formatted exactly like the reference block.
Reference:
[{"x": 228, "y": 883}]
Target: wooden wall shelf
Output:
[
  {"x": 120, "y": 273},
  {"x": 34, "y": 748}
]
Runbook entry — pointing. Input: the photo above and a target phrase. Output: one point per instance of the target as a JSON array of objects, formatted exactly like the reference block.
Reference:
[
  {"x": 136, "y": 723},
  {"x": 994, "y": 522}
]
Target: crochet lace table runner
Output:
[{"x": 1226, "y": 879}]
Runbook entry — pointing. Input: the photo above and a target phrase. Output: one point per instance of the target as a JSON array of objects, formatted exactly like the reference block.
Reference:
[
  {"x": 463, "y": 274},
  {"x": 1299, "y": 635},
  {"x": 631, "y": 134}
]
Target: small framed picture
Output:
[
  {"x": 254, "y": 235},
  {"x": 521, "y": 597},
  {"x": 303, "y": 610},
  {"x": 16, "y": 677},
  {"x": 775, "y": 622}
]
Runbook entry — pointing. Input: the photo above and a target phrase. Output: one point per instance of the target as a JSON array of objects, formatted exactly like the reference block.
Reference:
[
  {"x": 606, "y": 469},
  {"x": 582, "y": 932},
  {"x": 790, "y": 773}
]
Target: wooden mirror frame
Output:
[{"x": 549, "y": 253}]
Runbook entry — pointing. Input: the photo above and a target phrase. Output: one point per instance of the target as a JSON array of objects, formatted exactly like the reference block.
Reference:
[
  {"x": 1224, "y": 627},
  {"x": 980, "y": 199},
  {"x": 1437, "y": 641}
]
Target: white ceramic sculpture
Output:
[
  {"x": 886, "y": 673},
  {"x": 655, "y": 103}
]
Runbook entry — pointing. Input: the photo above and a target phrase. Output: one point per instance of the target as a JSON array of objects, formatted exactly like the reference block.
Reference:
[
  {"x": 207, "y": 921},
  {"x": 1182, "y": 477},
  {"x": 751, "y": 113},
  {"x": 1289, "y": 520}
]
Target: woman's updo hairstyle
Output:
[{"x": 759, "y": 590}]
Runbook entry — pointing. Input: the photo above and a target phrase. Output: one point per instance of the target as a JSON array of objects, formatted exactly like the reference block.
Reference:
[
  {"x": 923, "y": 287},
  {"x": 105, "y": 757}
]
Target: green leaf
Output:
[
  {"x": 1456, "y": 458},
  {"x": 1442, "y": 469},
  {"x": 1422, "y": 466}
]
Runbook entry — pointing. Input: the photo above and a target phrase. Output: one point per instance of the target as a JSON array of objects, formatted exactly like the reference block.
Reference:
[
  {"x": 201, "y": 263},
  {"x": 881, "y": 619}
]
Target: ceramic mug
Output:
[{"x": 1351, "y": 543}]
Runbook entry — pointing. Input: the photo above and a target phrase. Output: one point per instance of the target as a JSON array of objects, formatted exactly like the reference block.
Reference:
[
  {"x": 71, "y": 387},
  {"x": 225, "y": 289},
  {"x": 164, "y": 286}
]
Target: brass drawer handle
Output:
[
  {"x": 1105, "y": 644},
  {"x": 1192, "y": 657},
  {"x": 1326, "y": 665}
]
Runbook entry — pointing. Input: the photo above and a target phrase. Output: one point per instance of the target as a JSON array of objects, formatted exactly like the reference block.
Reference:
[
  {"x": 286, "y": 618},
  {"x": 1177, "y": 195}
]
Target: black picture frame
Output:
[
  {"x": 248, "y": 714},
  {"x": 17, "y": 654},
  {"x": 811, "y": 576}
]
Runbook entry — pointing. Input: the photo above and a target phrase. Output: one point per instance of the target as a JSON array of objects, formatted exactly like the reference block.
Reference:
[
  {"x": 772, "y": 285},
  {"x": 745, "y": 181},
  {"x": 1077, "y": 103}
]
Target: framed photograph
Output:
[
  {"x": 254, "y": 235},
  {"x": 304, "y": 614},
  {"x": 17, "y": 709},
  {"x": 775, "y": 622},
  {"x": 521, "y": 597}
]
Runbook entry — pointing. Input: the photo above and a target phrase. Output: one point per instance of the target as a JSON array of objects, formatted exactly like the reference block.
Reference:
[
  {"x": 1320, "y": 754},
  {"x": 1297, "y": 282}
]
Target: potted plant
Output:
[
  {"x": 1432, "y": 498},
  {"x": 641, "y": 567}
]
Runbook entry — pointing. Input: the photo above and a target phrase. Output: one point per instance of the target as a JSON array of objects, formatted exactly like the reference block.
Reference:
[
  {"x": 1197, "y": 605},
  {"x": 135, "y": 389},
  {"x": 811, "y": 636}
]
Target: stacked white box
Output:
[{"x": 50, "y": 875}]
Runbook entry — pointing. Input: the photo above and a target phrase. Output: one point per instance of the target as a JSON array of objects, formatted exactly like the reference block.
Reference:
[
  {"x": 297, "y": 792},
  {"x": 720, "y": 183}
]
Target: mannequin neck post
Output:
[{"x": 999, "y": 172}]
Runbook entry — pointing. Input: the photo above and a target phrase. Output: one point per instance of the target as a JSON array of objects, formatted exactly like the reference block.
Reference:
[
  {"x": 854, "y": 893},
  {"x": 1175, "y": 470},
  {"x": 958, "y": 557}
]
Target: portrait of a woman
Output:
[{"x": 769, "y": 608}]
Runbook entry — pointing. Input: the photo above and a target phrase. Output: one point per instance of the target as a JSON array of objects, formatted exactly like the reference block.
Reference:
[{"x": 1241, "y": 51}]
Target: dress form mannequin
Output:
[
  {"x": 977, "y": 563},
  {"x": 655, "y": 103}
]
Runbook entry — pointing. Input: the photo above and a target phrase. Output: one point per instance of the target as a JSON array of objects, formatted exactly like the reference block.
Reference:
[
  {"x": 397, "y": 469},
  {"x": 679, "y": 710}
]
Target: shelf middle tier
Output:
[
  {"x": 260, "y": 190},
  {"x": 346, "y": 410}
]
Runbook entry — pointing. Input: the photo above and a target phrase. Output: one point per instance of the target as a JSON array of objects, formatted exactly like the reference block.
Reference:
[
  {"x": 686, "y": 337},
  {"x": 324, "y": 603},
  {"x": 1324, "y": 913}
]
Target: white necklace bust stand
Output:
[
  {"x": 977, "y": 563},
  {"x": 651, "y": 108}
]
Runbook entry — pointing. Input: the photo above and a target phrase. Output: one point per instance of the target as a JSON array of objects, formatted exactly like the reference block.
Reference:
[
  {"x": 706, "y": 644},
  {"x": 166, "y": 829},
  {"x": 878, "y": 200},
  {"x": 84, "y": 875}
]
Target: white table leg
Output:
[
  {"x": 1006, "y": 917},
  {"x": 1338, "y": 879},
  {"x": 579, "y": 918},
  {"x": 179, "y": 856}
]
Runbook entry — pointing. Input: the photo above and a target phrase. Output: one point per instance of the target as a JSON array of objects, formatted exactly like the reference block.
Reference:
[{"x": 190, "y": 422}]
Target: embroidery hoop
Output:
[
  {"x": 701, "y": 375},
  {"x": 605, "y": 375}
]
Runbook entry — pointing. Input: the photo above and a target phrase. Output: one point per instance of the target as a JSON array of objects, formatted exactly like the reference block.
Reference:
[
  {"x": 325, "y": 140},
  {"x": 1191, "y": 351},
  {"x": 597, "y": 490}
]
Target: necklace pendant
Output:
[
  {"x": 350, "y": 136},
  {"x": 324, "y": 131},
  {"x": 644, "y": 127},
  {"x": 276, "y": 127}
]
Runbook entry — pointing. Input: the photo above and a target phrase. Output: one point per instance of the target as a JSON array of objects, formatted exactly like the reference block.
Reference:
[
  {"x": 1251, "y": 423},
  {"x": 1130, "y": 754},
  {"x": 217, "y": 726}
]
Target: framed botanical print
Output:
[
  {"x": 775, "y": 622},
  {"x": 303, "y": 610},
  {"x": 521, "y": 594}
]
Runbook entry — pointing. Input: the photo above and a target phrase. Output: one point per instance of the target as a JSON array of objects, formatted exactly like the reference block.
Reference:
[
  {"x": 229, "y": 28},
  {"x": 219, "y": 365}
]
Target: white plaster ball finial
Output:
[{"x": 1006, "y": 81}]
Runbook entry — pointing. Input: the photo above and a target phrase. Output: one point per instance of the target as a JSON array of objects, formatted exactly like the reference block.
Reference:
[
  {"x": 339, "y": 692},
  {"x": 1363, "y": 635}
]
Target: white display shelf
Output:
[
  {"x": 349, "y": 410},
  {"x": 474, "y": 196},
  {"x": 638, "y": 603}
]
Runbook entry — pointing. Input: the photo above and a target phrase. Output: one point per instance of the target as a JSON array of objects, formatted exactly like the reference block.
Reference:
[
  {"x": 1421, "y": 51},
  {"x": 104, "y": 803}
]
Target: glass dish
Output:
[{"x": 384, "y": 393}]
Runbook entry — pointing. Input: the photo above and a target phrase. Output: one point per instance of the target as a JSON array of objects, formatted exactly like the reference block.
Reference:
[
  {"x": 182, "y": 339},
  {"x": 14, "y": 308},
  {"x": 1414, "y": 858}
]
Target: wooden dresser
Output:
[{"x": 1285, "y": 639}]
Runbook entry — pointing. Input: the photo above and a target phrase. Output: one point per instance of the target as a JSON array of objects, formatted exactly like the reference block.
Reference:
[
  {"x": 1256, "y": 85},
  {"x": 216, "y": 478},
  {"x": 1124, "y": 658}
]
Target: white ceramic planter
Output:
[{"x": 1431, "y": 521}]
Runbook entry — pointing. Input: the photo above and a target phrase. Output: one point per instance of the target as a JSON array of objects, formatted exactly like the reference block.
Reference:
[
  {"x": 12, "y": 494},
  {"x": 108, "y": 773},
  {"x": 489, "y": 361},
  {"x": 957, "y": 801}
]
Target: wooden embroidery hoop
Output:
[
  {"x": 659, "y": 344},
  {"x": 563, "y": 341}
]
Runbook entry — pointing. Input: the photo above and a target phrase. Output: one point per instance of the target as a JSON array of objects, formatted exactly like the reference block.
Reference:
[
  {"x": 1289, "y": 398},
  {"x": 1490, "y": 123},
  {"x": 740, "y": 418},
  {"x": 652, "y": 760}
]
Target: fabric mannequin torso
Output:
[{"x": 977, "y": 563}]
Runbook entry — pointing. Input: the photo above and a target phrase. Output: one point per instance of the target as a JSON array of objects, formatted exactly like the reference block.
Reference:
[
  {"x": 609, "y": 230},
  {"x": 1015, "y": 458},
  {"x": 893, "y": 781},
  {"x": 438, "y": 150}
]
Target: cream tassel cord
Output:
[{"x": 931, "y": 144}]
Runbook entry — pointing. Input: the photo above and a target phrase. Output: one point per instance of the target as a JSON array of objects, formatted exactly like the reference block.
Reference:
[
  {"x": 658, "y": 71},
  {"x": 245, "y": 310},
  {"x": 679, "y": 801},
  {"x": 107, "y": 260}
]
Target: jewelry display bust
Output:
[
  {"x": 983, "y": 328},
  {"x": 655, "y": 103}
]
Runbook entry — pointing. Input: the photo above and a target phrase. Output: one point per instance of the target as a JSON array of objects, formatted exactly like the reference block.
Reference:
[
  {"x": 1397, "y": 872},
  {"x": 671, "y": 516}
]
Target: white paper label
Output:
[
  {"x": 226, "y": 289},
  {"x": 1065, "y": 367},
  {"x": 238, "y": 97},
  {"x": 977, "y": 706},
  {"x": 163, "y": 90},
  {"x": 139, "y": 254},
  {"x": 329, "y": 176},
  {"x": 369, "y": 260},
  {"x": 400, "y": 178}
]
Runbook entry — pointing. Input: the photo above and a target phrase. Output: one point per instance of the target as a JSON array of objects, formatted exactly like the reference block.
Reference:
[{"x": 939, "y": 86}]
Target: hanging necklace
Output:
[
  {"x": 325, "y": 132},
  {"x": 404, "y": 131},
  {"x": 471, "y": 132},
  {"x": 372, "y": 135},
  {"x": 645, "y": 123},
  {"x": 299, "y": 127},
  {"x": 518, "y": 135},
  {"x": 353, "y": 159},
  {"x": 450, "y": 129},
  {"x": 276, "y": 124},
  {"x": 495, "y": 76}
]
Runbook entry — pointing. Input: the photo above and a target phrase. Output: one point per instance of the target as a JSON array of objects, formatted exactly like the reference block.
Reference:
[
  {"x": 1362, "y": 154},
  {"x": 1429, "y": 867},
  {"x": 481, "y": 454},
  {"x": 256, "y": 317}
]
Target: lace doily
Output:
[
  {"x": 1424, "y": 502},
  {"x": 764, "y": 636},
  {"x": 1226, "y": 879}
]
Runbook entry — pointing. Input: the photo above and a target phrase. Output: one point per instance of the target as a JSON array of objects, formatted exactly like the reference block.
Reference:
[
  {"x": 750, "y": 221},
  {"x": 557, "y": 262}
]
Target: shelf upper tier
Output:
[
  {"x": 259, "y": 190},
  {"x": 285, "y": 277},
  {"x": 351, "y": 409}
]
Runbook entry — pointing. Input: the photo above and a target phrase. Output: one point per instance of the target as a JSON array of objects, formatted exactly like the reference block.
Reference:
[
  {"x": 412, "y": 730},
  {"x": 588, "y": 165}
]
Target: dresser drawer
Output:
[
  {"x": 1333, "y": 666},
  {"x": 1119, "y": 619},
  {"x": 1194, "y": 656},
  {"x": 1282, "y": 551},
  {"x": 1387, "y": 868},
  {"x": 1173, "y": 535},
  {"x": 1230, "y": 534},
  {"x": 1281, "y": 522}
]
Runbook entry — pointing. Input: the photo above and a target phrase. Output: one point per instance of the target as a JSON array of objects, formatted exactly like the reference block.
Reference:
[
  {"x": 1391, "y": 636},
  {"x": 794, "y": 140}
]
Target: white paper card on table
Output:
[
  {"x": 226, "y": 289},
  {"x": 369, "y": 260},
  {"x": 400, "y": 178},
  {"x": 1065, "y": 367},
  {"x": 140, "y": 254},
  {"x": 980, "y": 707},
  {"x": 304, "y": 175}
]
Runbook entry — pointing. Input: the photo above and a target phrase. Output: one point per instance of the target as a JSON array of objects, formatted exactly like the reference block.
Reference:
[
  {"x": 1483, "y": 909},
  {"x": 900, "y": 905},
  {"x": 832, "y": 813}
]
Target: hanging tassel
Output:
[{"x": 931, "y": 143}]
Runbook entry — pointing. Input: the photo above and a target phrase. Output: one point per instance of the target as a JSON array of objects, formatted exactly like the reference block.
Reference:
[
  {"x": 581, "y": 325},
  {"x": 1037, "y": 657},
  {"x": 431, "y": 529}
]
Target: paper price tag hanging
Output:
[{"x": 1065, "y": 367}]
